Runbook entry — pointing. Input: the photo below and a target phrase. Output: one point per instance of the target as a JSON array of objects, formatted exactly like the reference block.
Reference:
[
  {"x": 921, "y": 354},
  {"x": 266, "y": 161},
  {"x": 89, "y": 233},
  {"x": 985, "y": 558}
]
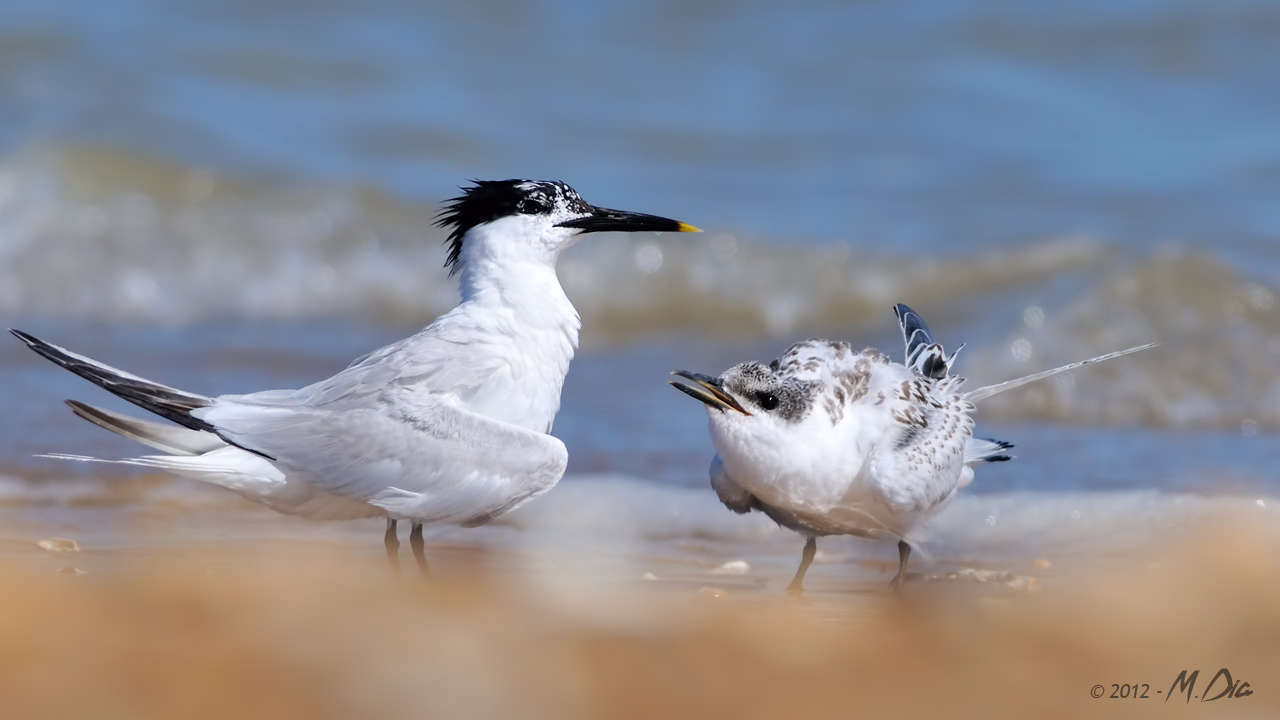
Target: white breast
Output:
[
  {"x": 512, "y": 340},
  {"x": 523, "y": 386}
]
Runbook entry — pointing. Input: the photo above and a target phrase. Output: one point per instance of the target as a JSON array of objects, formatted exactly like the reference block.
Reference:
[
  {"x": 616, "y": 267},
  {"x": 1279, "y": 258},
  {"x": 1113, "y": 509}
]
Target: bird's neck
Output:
[
  {"x": 528, "y": 292},
  {"x": 512, "y": 301},
  {"x": 525, "y": 316}
]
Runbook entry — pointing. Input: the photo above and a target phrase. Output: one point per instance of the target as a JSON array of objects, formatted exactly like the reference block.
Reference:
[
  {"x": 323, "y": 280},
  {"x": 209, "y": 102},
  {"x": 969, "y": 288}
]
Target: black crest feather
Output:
[{"x": 487, "y": 200}]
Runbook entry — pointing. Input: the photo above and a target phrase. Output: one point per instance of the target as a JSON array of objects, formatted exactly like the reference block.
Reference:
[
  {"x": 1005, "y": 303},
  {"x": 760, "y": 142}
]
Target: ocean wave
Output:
[
  {"x": 103, "y": 234},
  {"x": 94, "y": 234},
  {"x": 1219, "y": 338}
]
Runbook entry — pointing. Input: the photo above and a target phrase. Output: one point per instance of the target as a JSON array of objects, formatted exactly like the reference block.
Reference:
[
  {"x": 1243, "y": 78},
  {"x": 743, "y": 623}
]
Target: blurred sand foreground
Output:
[{"x": 313, "y": 630}]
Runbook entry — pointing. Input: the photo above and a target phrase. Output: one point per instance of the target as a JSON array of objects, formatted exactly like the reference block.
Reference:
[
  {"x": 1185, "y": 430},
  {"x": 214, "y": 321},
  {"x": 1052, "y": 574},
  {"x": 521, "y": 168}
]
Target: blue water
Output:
[{"x": 926, "y": 126}]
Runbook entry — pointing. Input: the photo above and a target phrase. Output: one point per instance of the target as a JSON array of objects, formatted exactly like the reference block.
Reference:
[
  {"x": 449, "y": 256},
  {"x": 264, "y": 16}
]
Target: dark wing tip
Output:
[
  {"x": 909, "y": 319},
  {"x": 88, "y": 412},
  {"x": 78, "y": 407},
  {"x": 27, "y": 338},
  {"x": 40, "y": 347}
]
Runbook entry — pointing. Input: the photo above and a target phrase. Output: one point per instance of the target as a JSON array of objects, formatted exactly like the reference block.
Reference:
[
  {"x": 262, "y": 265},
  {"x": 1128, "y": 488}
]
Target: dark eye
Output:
[
  {"x": 766, "y": 400},
  {"x": 529, "y": 206}
]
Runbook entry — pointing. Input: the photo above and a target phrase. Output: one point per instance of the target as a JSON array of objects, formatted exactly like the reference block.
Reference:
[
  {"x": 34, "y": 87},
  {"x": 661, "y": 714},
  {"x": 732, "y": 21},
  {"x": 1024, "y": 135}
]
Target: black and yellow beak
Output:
[
  {"x": 606, "y": 220},
  {"x": 707, "y": 389}
]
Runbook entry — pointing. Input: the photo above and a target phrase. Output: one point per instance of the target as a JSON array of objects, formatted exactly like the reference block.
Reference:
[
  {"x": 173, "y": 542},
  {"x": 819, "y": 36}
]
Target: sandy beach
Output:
[
  {"x": 305, "y": 620},
  {"x": 317, "y": 629}
]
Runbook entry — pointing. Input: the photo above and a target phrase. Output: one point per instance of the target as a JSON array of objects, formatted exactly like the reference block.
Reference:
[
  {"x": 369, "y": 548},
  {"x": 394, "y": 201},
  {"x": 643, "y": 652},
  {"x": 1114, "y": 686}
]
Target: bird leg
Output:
[
  {"x": 392, "y": 543},
  {"x": 904, "y": 552},
  {"x": 419, "y": 549},
  {"x": 806, "y": 559}
]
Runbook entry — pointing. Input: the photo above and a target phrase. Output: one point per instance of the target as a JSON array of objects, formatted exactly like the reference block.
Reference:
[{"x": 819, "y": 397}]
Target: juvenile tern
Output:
[
  {"x": 826, "y": 440},
  {"x": 450, "y": 425}
]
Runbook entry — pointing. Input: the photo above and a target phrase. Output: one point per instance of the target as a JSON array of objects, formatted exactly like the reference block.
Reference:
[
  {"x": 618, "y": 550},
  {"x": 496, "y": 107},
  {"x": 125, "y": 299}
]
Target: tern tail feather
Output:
[
  {"x": 167, "y": 402},
  {"x": 987, "y": 391},
  {"x": 978, "y": 450},
  {"x": 161, "y": 436}
]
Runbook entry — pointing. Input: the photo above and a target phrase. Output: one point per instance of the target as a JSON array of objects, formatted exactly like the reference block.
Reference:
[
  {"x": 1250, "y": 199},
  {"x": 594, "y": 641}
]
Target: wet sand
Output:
[{"x": 318, "y": 627}]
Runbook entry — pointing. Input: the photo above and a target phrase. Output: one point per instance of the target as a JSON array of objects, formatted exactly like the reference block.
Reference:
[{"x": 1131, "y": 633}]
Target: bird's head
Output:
[
  {"x": 531, "y": 219},
  {"x": 754, "y": 404}
]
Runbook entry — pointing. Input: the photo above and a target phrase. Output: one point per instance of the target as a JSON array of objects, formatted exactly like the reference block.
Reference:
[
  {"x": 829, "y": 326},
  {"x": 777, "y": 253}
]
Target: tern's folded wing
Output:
[
  {"x": 434, "y": 462},
  {"x": 463, "y": 352},
  {"x": 920, "y": 462},
  {"x": 733, "y": 495}
]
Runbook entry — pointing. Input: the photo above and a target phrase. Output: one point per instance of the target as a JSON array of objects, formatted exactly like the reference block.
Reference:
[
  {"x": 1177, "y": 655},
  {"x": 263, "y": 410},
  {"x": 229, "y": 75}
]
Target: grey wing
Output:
[
  {"x": 730, "y": 493},
  {"x": 436, "y": 463},
  {"x": 452, "y": 355}
]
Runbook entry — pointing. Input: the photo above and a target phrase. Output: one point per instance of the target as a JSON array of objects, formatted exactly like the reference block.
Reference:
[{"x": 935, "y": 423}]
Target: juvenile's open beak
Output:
[
  {"x": 708, "y": 390},
  {"x": 604, "y": 219}
]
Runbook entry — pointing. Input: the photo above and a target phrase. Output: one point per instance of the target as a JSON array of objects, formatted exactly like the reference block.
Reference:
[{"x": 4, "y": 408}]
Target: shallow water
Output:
[{"x": 639, "y": 451}]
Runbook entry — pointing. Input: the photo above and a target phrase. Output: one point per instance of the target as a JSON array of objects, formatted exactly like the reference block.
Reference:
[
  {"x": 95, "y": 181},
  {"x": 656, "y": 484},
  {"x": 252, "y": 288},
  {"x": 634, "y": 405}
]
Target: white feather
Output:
[{"x": 987, "y": 391}]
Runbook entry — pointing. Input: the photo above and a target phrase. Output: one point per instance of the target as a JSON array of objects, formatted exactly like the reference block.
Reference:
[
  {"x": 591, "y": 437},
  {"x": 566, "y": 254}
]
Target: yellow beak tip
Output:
[{"x": 686, "y": 227}]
